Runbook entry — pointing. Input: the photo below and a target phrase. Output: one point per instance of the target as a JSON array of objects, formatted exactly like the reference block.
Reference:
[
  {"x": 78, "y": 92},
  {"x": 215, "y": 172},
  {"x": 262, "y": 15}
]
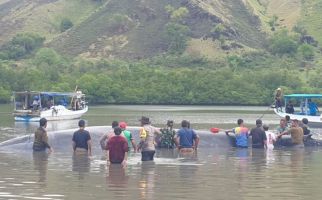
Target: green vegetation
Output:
[
  {"x": 249, "y": 79},
  {"x": 20, "y": 46},
  {"x": 65, "y": 24},
  {"x": 283, "y": 44},
  {"x": 161, "y": 52}
]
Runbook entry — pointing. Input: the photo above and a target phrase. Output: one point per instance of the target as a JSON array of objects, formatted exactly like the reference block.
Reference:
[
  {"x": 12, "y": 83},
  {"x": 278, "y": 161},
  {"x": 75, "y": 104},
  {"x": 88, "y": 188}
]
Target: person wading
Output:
[
  {"x": 117, "y": 147},
  {"x": 128, "y": 136},
  {"x": 82, "y": 142},
  {"x": 147, "y": 133},
  {"x": 259, "y": 139},
  {"x": 41, "y": 138},
  {"x": 296, "y": 133},
  {"x": 186, "y": 139},
  {"x": 241, "y": 134}
]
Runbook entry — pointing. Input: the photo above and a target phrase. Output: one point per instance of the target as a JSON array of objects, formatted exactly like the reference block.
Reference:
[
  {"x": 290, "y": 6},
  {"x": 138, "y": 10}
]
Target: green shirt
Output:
[{"x": 128, "y": 136}]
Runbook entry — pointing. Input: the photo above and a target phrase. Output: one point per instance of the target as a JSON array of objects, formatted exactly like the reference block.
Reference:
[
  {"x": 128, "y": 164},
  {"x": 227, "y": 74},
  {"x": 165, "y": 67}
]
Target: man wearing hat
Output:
[
  {"x": 258, "y": 134},
  {"x": 82, "y": 140},
  {"x": 147, "y": 133}
]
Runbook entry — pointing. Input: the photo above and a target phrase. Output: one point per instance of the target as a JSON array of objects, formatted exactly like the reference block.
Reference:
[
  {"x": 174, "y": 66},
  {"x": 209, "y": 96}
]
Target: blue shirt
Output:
[
  {"x": 313, "y": 108},
  {"x": 241, "y": 134},
  {"x": 80, "y": 138},
  {"x": 186, "y": 137}
]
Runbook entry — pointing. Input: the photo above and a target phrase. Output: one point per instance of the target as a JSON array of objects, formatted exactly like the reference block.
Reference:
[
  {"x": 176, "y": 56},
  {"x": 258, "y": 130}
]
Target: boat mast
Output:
[{"x": 306, "y": 106}]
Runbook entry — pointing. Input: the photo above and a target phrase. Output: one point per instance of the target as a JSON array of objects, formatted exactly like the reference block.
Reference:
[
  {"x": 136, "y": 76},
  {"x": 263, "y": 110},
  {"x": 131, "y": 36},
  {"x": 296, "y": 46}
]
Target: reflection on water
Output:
[
  {"x": 40, "y": 161},
  {"x": 116, "y": 176},
  {"x": 147, "y": 180},
  {"x": 81, "y": 165}
]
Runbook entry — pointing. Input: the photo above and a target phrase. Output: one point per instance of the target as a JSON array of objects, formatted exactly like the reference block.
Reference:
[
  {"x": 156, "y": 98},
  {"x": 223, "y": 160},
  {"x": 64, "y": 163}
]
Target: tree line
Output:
[{"x": 171, "y": 78}]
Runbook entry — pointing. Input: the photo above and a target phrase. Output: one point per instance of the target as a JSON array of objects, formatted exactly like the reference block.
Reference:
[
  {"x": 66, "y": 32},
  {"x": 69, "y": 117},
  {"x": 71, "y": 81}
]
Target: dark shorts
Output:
[
  {"x": 39, "y": 148},
  {"x": 238, "y": 146},
  {"x": 298, "y": 146},
  {"x": 147, "y": 155},
  {"x": 258, "y": 146},
  {"x": 115, "y": 161}
]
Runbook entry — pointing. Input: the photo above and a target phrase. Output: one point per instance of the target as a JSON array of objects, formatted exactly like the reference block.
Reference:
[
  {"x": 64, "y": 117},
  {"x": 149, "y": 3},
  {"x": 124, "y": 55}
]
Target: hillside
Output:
[
  {"x": 144, "y": 33},
  {"x": 189, "y": 51},
  {"x": 94, "y": 32},
  {"x": 98, "y": 31}
]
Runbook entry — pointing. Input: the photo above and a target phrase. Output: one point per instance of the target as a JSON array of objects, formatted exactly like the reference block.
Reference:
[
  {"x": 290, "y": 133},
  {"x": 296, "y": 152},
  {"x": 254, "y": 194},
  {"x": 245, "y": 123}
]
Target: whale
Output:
[{"x": 61, "y": 140}]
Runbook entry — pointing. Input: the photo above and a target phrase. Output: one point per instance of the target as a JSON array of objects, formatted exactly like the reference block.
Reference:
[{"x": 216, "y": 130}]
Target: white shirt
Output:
[{"x": 270, "y": 139}]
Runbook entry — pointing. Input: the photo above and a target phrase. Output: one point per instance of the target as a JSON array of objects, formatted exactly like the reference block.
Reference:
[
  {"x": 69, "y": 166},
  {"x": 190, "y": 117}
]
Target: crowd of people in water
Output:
[
  {"x": 119, "y": 141},
  {"x": 262, "y": 137}
]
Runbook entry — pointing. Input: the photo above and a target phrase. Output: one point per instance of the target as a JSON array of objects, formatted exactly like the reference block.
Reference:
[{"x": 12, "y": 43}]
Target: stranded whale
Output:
[{"x": 61, "y": 141}]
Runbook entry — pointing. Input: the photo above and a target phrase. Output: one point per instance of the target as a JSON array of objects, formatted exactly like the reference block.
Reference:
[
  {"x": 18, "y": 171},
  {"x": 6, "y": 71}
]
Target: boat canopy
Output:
[
  {"x": 301, "y": 96},
  {"x": 53, "y": 94}
]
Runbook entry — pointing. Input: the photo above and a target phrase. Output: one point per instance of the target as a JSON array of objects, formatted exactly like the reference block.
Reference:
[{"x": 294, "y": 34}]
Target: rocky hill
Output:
[{"x": 137, "y": 28}]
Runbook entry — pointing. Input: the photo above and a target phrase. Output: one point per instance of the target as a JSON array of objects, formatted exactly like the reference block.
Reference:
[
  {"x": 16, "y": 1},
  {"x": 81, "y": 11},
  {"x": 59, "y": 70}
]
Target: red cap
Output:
[{"x": 122, "y": 125}]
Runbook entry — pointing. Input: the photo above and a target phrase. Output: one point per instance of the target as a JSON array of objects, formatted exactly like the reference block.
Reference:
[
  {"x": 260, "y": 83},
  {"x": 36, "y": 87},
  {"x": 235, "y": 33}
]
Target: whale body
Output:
[{"x": 61, "y": 141}]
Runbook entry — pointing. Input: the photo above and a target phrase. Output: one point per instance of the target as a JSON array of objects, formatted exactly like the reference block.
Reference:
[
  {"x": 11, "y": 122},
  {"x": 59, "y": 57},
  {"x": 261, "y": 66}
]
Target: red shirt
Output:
[{"x": 117, "y": 146}]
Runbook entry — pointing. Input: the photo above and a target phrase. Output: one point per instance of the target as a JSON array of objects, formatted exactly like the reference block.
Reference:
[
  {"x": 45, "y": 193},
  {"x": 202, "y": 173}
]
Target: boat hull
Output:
[
  {"x": 53, "y": 114},
  {"x": 314, "y": 121}
]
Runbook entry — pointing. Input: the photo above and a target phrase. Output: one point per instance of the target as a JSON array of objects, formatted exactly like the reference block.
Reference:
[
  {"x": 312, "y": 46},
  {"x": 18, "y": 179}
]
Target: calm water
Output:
[{"x": 215, "y": 173}]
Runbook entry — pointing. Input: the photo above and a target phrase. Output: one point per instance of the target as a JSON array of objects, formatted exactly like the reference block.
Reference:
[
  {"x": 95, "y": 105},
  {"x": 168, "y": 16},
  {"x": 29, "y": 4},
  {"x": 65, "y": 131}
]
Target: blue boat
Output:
[
  {"x": 304, "y": 107},
  {"x": 30, "y": 106}
]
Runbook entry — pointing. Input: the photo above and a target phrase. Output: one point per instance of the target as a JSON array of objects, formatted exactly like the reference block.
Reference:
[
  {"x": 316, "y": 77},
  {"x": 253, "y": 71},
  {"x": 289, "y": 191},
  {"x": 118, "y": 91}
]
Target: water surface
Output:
[{"x": 213, "y": 173}]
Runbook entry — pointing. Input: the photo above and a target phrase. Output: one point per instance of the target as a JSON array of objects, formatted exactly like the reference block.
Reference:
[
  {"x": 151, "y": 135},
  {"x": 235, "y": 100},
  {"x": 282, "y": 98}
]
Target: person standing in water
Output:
[
  {"x": 296, "y": 133},
  {"x": 147, "y": 133},
  {"x": 41, "y": 138},
  {"x": 241, "y": 134},
  {"x": 282, "y": 127},
  {"x": 82, "y": 142},
  {"x": 128, "y": 136},
  {"x": 108, "y": 135},
  {"x": 259, "y": 139},
  {"x": 271, "y": 138},
  {"x": 186, "y": 139},
  {"x": 117, "y": 147},
  {"x": 167, "y": 137}
]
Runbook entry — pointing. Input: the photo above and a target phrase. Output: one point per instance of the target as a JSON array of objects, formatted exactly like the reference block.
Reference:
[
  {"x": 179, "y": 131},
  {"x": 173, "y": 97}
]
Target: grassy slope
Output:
[
  {"x": 91, "y": 34},
  {"x": 311, "y": 18},
  {"x": 46, "y": 20},
  {"x": 42, "y": 17},
  {"x": 287, "y": 11},
  {"x": 240, "y": 18}
]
